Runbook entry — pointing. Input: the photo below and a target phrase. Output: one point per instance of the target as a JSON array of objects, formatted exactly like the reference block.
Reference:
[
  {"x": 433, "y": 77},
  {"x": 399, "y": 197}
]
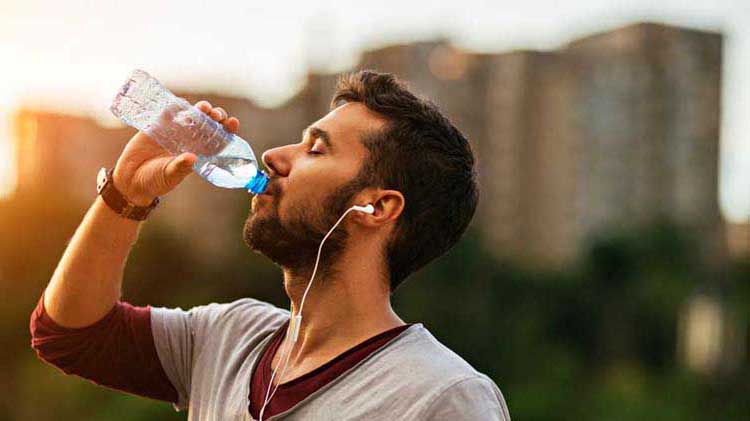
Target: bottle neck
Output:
[{"x": 258, "y": 183}]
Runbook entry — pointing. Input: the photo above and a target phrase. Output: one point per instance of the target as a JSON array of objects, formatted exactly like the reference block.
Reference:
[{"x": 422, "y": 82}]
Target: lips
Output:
[{"x": 269, "y": 191}]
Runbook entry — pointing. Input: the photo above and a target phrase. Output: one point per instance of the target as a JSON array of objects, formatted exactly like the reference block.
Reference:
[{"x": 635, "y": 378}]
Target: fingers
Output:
[
  {"x": 217, "y": 113},
  {"x": 179, "y": 168},
  {"x": 231, "y": 124},
  {"x": 204, "y": 106}
]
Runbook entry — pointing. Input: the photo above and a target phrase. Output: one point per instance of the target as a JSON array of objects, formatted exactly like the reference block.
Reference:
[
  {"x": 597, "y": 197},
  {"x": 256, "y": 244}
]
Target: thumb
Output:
[{"x": 179, "y": 168}]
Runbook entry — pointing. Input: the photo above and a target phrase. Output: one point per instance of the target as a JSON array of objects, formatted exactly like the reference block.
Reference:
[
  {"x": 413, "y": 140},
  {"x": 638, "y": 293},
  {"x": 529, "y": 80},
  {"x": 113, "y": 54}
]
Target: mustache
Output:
[{"x": 272, "y": 188}]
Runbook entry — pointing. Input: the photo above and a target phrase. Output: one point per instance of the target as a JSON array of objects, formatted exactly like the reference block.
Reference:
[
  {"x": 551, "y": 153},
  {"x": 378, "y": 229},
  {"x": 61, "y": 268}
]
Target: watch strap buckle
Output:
[{"x": 127, "y": 211}]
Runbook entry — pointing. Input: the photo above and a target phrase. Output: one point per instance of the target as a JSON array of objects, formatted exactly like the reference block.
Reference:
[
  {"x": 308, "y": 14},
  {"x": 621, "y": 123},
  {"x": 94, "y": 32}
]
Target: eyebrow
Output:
[{"x": 318, "y": 133}]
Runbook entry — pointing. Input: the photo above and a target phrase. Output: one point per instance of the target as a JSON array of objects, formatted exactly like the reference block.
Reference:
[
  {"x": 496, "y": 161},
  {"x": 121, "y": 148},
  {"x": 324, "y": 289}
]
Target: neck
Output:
[{"x": 343, "y": 307}]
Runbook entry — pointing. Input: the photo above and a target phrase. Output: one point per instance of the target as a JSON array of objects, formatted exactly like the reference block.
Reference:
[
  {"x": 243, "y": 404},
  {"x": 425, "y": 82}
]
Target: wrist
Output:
[
  {"x": 131, "y": 207},
  {"x": 103, "y": 209}
]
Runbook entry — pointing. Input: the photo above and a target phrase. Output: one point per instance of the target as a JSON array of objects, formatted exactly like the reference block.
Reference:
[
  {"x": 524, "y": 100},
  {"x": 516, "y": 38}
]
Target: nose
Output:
[{"x": 275, "y": 161}]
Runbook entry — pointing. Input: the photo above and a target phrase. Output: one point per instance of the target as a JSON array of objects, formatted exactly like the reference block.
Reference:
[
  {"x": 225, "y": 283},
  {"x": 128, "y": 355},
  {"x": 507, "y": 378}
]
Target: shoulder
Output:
[
  {"x": 245, "y": 316},
  {"x": 451, "y": 386},
  {"x": 245, "y": 311},
  {"x": 430, "y": 358}
]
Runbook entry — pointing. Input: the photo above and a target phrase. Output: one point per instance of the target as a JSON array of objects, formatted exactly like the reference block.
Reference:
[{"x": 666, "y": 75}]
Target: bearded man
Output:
[{"x": 397, "y": 178}]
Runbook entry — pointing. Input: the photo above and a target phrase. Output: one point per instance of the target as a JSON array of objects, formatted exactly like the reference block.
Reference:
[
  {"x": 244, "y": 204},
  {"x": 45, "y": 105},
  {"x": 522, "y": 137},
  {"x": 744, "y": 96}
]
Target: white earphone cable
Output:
[
  {"x": 309, "y": 284},
  {"x": 296, "y": 321}
]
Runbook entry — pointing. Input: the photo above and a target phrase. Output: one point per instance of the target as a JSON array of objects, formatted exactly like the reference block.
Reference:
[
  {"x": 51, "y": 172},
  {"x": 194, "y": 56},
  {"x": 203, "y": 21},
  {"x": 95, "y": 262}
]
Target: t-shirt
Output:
[
  {"x": 120, "y": 351},
  {"x": 208, "y": 353},
  {"x": 292, "y": 392}
]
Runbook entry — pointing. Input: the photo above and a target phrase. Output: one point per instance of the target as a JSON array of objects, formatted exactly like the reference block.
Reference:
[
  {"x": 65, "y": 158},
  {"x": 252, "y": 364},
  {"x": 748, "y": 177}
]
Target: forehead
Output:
[{"x": 347, "y": 123}]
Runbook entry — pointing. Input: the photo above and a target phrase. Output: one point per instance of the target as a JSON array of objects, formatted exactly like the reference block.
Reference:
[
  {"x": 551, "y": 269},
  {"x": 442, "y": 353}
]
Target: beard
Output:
[{"x": 294, "y": 245}]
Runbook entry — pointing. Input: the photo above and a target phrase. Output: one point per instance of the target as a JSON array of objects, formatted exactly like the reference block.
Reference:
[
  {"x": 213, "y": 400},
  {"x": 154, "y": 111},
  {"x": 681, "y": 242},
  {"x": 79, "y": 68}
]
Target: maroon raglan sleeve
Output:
[{"x": 117, "y": 351}]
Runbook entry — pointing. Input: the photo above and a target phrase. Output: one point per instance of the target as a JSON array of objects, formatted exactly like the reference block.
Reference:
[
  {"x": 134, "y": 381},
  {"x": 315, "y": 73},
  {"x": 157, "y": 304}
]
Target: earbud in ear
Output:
[{"x": 366, "y": 209}]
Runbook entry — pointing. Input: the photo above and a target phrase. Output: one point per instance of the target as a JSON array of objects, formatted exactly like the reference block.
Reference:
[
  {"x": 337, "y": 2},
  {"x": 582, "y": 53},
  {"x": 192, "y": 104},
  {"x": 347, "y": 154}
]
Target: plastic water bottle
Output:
[{"x": 224, "y": 159}]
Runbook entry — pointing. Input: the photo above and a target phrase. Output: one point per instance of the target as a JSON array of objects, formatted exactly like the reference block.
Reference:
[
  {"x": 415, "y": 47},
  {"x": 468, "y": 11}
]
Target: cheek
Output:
[
  {"x": 292, "y": 203},
  {"x": 306, "y": 185},
  {"x": 312, "y": 180}
]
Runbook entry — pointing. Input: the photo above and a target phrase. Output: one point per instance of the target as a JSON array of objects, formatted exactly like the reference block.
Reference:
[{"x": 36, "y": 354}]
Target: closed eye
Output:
[
  {"x": 312, "y": 145},
  {"x": 313, "y": 151}
]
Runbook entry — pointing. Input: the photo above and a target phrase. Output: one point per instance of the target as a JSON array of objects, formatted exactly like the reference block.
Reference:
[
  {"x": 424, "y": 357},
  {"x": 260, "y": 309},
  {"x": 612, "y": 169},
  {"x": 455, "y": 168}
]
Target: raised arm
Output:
[
  {"x": 79, "y": 324},
  {"x": 87, "y": 281}
]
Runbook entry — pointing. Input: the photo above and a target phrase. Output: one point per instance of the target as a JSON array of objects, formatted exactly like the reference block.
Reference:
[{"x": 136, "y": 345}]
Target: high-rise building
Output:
[
  {"x": 647, "y": 100},
  {"x": 611, "y": 131},
  {"x": 55, "y": 153},
  {"x": 738, "y": 240}
]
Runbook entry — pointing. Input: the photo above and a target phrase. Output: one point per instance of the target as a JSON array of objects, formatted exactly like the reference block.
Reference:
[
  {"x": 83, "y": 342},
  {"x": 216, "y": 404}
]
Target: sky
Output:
[{"x": 70, "y": 56}]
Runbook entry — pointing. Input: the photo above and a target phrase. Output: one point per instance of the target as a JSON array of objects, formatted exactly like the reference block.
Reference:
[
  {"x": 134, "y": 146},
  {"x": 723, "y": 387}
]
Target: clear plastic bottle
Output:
[{"x": 224, "y": 159}]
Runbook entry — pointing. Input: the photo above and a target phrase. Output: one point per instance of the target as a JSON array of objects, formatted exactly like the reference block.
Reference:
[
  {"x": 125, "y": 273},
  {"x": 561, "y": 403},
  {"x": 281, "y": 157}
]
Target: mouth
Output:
[
  {"x": 262, "y": 197},
  {"x": 269, "y": 192}
]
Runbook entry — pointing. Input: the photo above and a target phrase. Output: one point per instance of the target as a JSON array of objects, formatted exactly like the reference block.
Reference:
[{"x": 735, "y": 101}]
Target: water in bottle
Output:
[{"x": 224, "y": 159}]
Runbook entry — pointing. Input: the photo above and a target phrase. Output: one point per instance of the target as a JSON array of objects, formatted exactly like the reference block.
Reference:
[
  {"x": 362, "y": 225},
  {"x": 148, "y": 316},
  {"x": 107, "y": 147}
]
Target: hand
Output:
[{"x": 145, "y": 170}]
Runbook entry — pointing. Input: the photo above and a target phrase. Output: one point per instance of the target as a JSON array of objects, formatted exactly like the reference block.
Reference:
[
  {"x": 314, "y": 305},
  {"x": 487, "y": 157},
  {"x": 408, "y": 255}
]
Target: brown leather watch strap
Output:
[{"x": 115, "y": 200}]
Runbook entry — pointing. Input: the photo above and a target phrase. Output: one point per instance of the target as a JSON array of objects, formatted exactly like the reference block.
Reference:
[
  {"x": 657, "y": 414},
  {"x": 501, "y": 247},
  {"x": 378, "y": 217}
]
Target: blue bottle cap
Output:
[{"x": 258, "y": 183}]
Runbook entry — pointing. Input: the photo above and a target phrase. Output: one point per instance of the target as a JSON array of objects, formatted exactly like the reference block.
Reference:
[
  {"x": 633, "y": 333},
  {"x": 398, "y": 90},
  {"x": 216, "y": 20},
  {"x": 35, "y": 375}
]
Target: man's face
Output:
[{"x": 312, "y": 185}]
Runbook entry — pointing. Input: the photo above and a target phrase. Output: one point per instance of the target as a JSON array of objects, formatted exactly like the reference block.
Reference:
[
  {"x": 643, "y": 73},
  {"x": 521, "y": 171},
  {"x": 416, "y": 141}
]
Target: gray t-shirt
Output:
[{"x": 209, "y": 352}]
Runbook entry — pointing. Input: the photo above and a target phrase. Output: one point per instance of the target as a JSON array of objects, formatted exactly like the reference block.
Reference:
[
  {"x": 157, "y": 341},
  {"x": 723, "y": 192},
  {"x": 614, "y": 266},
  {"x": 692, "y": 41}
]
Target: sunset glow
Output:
[
  {"x": 69, "y": 57},
  {"x": 8, "y": 176}
]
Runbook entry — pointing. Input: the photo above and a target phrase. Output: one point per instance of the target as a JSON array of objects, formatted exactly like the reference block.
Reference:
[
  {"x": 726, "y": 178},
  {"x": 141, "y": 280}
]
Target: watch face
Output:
[{"x": 101, "y": 180}]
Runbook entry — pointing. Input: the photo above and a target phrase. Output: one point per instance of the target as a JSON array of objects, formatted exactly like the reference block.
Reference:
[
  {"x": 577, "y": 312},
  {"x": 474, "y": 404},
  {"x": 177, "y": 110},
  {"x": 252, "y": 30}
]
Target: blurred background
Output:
[{"x": 606, "y": 275}]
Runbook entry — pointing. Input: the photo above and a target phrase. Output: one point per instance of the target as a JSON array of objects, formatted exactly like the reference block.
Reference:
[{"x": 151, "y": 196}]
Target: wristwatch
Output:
[{"x": 115, "y": 200}]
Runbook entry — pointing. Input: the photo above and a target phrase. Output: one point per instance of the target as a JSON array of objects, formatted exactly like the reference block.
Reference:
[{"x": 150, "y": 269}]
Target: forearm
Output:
[{"x": 87, "y": 282}]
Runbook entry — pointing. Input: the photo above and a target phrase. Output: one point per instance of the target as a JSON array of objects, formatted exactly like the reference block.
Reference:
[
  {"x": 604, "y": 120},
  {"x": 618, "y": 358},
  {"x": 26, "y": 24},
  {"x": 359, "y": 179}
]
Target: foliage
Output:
[{"x": 596, "y": 341}]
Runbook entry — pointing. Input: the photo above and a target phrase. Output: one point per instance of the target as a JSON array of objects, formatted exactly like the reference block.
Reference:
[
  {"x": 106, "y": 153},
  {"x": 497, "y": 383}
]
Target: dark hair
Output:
[{"x": 422, "y": 155}]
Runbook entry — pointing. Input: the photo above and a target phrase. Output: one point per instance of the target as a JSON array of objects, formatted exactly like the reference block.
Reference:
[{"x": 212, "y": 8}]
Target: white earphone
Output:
[
  {"x": 366, "y": 209},
  {"x": 296, "y": 322}
]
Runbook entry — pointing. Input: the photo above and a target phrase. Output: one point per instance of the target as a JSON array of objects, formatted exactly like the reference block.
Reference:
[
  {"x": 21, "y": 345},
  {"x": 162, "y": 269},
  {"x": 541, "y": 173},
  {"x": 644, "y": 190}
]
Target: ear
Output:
[{"x": 388, "y": 206}]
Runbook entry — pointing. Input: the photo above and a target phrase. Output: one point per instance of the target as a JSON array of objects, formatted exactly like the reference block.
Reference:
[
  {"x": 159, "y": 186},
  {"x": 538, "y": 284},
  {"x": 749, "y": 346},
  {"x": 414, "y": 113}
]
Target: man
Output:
[{"x": 354, "y": 358}]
